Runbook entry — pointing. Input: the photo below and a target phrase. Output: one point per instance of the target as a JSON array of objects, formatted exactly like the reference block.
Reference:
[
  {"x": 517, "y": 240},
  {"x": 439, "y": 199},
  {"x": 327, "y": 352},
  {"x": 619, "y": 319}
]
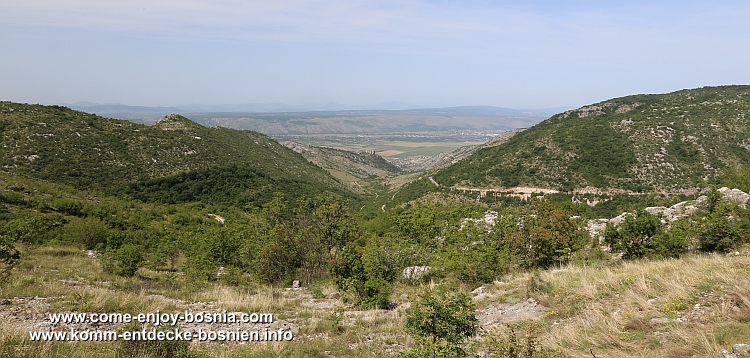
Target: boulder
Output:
[
  {"x": 740, "y": 349},
  {"x": 415, "y": 272},
  {"x": 735, "y": 195}
]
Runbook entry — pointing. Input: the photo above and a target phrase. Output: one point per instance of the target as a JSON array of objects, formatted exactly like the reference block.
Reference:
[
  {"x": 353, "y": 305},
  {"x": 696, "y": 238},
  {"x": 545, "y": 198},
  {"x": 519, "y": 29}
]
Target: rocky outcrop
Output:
[
  {"x": 735, "y": 195},
  {"x": 488, "y": 220},
  {"x": 677, "y": 211},
  {"x": 415, "y": 272}
]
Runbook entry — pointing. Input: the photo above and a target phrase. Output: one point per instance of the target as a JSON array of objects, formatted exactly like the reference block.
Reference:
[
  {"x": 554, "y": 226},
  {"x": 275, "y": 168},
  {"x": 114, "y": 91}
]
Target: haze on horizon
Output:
[{"x": 514, "y": 54}]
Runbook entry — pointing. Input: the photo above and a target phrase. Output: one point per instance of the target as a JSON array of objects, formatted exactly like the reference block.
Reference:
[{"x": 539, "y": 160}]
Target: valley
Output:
[
  {"x": 617, "y": 229},
  {"x": 401, "y": 147}
]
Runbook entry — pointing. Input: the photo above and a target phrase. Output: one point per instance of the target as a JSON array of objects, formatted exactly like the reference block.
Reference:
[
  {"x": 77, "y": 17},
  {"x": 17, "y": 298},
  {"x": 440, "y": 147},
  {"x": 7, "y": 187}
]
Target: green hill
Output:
[
  {"x": 152, "y": 163},
  {"x": 664, "y": 142}
]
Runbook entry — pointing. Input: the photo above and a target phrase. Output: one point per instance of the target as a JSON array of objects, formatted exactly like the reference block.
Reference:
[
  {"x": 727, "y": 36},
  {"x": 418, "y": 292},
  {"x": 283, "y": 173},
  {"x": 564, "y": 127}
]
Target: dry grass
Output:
[
  {"x": 696, "y": 305},
  {"x": 264, "y": 299}
]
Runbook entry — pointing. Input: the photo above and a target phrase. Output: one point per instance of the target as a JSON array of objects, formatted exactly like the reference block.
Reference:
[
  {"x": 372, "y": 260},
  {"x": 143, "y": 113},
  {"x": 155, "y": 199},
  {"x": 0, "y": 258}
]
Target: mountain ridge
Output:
[
  {"x": 87, "y": 151},
  {"x": 671, "y": 143}
]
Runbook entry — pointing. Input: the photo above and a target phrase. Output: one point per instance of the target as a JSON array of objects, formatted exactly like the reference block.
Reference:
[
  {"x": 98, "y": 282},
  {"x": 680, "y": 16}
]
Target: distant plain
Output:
[{"x": 393, "y": 146}]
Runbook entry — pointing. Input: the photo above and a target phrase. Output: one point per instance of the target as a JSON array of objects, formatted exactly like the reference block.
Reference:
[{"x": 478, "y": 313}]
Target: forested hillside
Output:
[{"x": 175, "y": 160}]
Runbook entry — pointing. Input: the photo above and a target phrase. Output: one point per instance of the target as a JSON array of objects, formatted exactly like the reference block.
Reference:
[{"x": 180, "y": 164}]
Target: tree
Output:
[
  {"x": 634, "y": 236},
  {"x": 332, "y": 217},
  {"x": 544, "y": 236},
  {"x": 9, "y": 256},
  {"x": 128, "y": 259},
  {"x": 349, "y": 273},
  {"x": 443, "y": 321}
]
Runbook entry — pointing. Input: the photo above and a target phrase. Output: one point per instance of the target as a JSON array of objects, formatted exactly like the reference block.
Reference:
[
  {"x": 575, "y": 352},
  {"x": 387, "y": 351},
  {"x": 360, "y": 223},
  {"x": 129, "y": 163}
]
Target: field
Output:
[{"x": 396, "y": 146}]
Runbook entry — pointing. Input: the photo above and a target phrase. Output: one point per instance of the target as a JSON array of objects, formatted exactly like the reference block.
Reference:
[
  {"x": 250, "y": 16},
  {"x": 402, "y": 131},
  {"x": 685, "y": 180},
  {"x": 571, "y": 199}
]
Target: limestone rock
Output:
[{"x": 415, "y": 272}]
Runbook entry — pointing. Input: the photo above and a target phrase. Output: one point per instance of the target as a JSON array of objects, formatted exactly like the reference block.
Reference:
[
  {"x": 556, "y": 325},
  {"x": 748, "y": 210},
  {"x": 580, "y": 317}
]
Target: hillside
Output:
[
  {"x": 352, "y": 169},
  {"x": 87, "y": 151},
  {"x": 189, "y": 260},
  {"x": 663, "y": 142}
]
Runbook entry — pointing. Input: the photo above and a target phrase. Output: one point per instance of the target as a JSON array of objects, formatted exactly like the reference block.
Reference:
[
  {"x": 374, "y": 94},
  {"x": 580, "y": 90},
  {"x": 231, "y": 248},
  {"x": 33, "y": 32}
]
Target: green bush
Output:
[
  {"x": 675, "y": 241},
  {"x": 543, "y": 235},
  {"x": 719, "y": 233},
  {"x": 471, "y": 255},
  {"x": 33, "y": 228},
  {"x": 442, "y": 320},
  {"x": 737, "y": 177},
  {"x": 89, "y": 232},
  {"x": 349, "y": 273},
  {"x": 9, "y": 256},
  {"x": 124, "y": 261},
  {"x": 199, "y": 268},
  {"x": 635, "y": 235}
]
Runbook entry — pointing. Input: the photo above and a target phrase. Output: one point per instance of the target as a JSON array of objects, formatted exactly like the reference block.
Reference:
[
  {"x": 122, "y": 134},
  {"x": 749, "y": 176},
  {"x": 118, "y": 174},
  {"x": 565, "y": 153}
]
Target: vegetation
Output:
[
  {"x": 737, "y": 177},
  {"x": 118, "y": 157},
  {"x": 642, "y": 142},
  {"x": 100, "y": 215},
  {"x": 9, "y": 257},
  {"x": 442, "y": 321}
]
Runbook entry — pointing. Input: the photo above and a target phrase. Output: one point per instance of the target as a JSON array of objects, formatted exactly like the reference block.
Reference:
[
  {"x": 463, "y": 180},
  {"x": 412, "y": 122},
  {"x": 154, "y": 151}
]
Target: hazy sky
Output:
[{"x": 518, "y": 54}]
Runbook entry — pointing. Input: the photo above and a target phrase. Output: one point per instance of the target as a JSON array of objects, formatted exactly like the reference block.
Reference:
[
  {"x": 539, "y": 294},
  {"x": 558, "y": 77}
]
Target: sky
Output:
[{"x": 515, "y": 54}]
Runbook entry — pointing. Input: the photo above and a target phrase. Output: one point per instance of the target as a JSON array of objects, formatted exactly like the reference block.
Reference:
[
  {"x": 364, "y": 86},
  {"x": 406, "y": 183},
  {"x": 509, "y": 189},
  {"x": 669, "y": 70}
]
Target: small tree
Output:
[
  {"x": 89, "y": 231},
  {"x": 124, "y": 261},
  {"x": 443, "y": 321},
  {"x": 544, "y": 236},
  {"x": 635, "y": 234},
  {"x": 9, "y": 256},
  {"x": 349, "y": 273}
]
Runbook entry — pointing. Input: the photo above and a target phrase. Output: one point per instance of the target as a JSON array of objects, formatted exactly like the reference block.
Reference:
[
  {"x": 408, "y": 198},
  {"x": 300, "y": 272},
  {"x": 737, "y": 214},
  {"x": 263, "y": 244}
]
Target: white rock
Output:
[
  {"x": 661, "y": 320},
  {"x": 415, "y": 272},
  {"x": 740, "y": 349}
]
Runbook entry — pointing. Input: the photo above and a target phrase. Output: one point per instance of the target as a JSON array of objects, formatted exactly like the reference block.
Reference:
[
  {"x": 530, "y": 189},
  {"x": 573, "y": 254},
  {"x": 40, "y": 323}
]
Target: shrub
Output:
[
  {"x": 635, "y": 234},
  {"x": 737, "y": 177},
  {"x": 675, "y": 241},
  {"x": 443, "y": 321},
  {"x": 544, "y": 236},
  {"x": 124, "y": 261},
  {"x": 718, "y": 233},
  {"x": 471, "y": 255},
  {"x": 349, "y": 273},
  {"x": 199, "y": 268},
  {"x": 90, "y": 232},
  {"x": 9, "y": 256}
]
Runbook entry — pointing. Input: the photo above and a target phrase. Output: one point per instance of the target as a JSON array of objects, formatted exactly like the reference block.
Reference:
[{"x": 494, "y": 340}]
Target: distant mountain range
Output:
[
  {"x": 106, "y": 108},
  {"x": 276, "y": 119}
]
